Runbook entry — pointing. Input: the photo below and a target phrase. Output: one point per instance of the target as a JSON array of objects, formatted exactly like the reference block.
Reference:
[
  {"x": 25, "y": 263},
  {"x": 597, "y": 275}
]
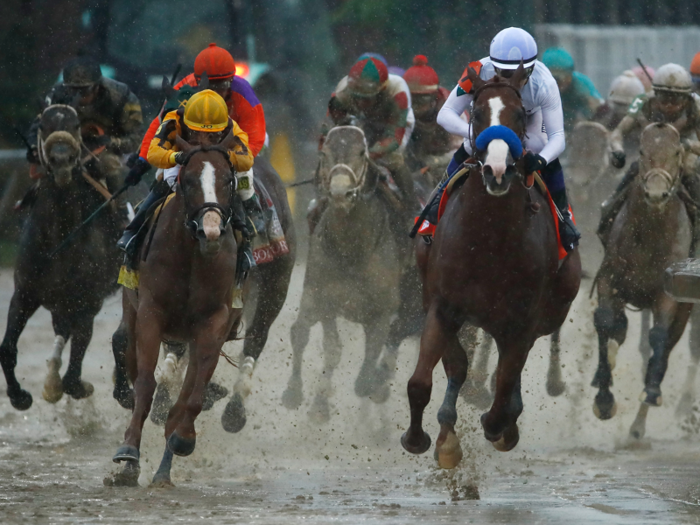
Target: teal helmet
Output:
[{"x": 558, "y": 58}]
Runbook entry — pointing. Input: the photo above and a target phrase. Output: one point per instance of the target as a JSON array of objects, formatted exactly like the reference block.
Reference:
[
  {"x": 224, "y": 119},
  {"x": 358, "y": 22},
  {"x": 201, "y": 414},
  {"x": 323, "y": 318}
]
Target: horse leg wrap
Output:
[
  {"x": 447, "y": 415},
  {"x": 656, "y": 369},
  {"x": 244, "y": 384}
]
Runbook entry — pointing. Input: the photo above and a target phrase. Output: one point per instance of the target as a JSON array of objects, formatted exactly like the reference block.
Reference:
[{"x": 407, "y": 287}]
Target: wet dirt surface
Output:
[{"x": 283, "y": 468}]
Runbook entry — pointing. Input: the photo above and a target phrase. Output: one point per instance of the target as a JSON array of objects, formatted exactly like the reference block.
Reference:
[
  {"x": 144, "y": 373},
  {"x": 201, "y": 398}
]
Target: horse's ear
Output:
[
  {"x": 43, "y": 104},
  {"x": 167, "y": 87},
  {"x": 517, "y": 77},
  {"x": 476, "y": 80},
  {"x": 229, "y": 141},
  {"x": 204, "y": 81},
  {"x": 182, "y": 144}
]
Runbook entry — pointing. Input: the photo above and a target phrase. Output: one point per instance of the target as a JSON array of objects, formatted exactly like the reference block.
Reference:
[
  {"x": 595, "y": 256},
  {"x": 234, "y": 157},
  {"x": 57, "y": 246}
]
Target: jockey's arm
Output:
[
  {"x": 241, "y": 155},
  {"x": 553, "y": 120},
  {"x": 396, "y": 127},
  {"x": 148, "y": 137},
  {"x": 621, "y": 131},
  {"x": 162, "y": 148},
  {"x": 450, "y": 115},
  {"x": 130, "y": 122}
]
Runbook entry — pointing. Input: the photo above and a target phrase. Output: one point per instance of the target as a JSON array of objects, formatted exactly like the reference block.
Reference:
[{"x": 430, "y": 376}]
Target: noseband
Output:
[{"x": 226, "y": 213}]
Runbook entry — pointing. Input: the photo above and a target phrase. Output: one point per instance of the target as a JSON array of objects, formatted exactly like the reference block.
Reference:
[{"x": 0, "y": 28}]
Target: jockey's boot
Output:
[
  {"x": 568, "y": 232},
  {"x": 159, "y": 190},
  {"x": 255, "y": 223},
  {"x": 613, "y": 204}
]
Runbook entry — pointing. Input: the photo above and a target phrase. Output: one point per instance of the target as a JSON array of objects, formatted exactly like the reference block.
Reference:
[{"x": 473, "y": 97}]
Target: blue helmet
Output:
[{"x": 512, "y": 45}]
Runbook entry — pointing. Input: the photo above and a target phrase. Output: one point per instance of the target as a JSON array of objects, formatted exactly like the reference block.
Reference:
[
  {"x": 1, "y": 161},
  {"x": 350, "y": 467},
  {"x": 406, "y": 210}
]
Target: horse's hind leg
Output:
[
  {"x": 644, "y": 348},
  {"x": 273, "y": 282},
  {"x": 474, "y": 390},
  {"x": 437, "y": 335},
  {"x": 168, "y": 377},
  {"x": 332, "y": 349},
  {"x": 122, "y": 392},
  {"x": 555, "y": 385},
  {"x": 611, "y": 324},
  {"x": 448, "y": 451},
  {"x": 375, "y": 337},
  {"x": 22, "y": 307},
  {"x": 161, "y": 478},
  {"x": 73, "y": 385},
  {"x": 53, "y": 386},
  {"x": 685, "y": 405}
]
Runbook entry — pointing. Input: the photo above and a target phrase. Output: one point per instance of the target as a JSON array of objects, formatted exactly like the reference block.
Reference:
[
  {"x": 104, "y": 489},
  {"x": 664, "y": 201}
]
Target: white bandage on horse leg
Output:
[
  {"x": 59, "y": 343},
  {"x": 167, "y": 371},
  {"x": 245, "y": 376},
  {"x": 245, "y": 184}
]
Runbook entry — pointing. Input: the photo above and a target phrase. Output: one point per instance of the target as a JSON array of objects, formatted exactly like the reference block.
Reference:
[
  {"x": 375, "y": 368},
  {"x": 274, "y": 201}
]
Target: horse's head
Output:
[
  {"x": 498, "y": 124},
  {"x": 661, "y": 158},
  {"x": 344, "y": 163},
  {"x": 208, "y": 185},
  {"x": 59, "y": 142}
]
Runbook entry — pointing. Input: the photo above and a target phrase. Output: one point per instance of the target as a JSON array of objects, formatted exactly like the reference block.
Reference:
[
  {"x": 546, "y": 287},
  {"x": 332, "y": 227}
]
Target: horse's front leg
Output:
[
  {"x": 555, "y": 385},
  {"x": 500, "y": 423},
  {"x": 149, "y": 328},
  {"x": 448, "y": 451},
  {"x": 73, "y": 385},
  {"x": 210, "y": 337},
  {"x": 438, "y": 333},
  {"x": 320, "y": 411},
  {"x": 685, "y": 405}
]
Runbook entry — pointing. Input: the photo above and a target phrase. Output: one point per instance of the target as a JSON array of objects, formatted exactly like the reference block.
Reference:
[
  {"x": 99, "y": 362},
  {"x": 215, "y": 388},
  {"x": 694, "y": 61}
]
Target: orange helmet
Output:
[
  {"x": 216, "y": 62},
  {"x": 695, "y": 65}
]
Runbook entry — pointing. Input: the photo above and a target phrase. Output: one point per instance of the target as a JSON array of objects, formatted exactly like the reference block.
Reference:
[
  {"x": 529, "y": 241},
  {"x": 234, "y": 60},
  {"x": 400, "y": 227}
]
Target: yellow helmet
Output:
[{"x": 206, "y": 111}]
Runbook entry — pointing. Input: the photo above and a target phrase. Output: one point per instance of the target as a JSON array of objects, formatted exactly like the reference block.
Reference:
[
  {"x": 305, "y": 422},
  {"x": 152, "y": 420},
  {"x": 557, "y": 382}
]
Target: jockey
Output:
[
  {"x": 427, "y": 97},
  {"x": 623, "y": 90},
  {"x": 671, "y": 102},
  {"x": 243, "y": 107},
  {"x": 382, "y": 104},
  {"x": 695, "y": 72},
  {"x": 205, "y": 114},
  {"x": 544, "y": 138},
  {"x": 579, "y": 97},
  {"x": 108, "y": 111}
]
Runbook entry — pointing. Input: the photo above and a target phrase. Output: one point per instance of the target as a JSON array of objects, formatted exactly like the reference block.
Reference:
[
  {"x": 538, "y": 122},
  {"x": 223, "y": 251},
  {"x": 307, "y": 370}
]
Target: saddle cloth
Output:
[
  {"x": 428, "y": 228},
  {"x": 271, "y": 243}
]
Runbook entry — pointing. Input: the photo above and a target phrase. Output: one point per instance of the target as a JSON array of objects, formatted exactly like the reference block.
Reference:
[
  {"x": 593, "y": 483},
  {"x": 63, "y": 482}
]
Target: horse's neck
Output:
[
  {"x": 648, "y": 219},
  {"x": 353, "y": 232}
]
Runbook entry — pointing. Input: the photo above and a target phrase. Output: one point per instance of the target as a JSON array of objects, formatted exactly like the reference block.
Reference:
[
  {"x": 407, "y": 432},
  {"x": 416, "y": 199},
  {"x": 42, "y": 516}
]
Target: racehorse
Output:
[
  {"x": 651, "y": 231},
  {"x": 493, "y": 263},
  {"x": 185, "y": 294},
  {"x": 351, "y": 271},
  {"x": 269, "y": 283},
  {"x": 73, "y": 283}
]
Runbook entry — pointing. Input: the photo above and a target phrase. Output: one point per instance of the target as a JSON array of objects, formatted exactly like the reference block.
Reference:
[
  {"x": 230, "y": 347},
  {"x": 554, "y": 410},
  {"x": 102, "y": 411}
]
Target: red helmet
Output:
[
  {"x": 216, "y": 62},
  {"x": 421, "y": 78},
  {"x": 695, "y": 65}
]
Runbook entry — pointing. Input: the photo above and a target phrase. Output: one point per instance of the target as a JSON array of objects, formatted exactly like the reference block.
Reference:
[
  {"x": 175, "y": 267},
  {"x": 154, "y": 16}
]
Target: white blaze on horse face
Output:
[
  {"x": 211, "y": 221},
  {"x": 496, "y": 157},
  {"x": 496, "y": 105}
]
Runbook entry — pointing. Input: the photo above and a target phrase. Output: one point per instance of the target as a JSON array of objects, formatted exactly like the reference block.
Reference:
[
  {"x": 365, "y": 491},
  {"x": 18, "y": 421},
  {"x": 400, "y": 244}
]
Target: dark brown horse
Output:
[
  {"x": 72, "y": 284},
  {"x": 494, "y": 264},
  {"x": 185, "y": 294},
  {"x": 651, "y": 232}
]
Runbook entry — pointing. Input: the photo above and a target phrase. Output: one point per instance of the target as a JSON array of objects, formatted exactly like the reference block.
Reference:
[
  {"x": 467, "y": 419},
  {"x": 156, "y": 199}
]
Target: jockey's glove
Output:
[
  {"x": 178, "y": 157},
  {"x": 534, "y": 162},
  {"x": 137, "y": 171},
  {"x": 617, "y": 159}
]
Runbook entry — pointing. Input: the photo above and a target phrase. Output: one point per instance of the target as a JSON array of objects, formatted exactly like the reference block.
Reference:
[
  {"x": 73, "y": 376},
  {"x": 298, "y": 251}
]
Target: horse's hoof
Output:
[
  {"x": 161, "y": 405},
  {"x": 364, "y": 384},
  {"x": 292, "y": 397},
  {"x": 555, "y": 388},
  {"x": 53, "y": 386},
  {"x": 124, "y": 396},
  {"x": 234, "y": 419},
  {"x": 508, "y": 440},
  {"x": 213, "y": 393},
  {"x": 604, "y": 406},
  {"x": 181, "y": 446},
  {"x": 449, "y": 453},
  {"x": 20, "y": 399},
  {"x": 126, "y": 453},
  {"x": 78, "y": 389},
  {"x": 381, "y": 395},
  {"x": 161, "y": 481},
  {"x": 651, "y": 396},
  {"x": 128, "y": 477},
  {"x": 420, "y": 447},
  {"x": 637, "y": 433},
  {"x": 320, "y": 411}
]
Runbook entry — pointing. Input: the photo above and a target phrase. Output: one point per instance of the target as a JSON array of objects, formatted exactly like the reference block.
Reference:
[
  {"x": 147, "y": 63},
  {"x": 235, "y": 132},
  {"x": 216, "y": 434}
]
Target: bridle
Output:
[
  {"x": 225, "y": 212},
  {"x": 359, "y": 179}
]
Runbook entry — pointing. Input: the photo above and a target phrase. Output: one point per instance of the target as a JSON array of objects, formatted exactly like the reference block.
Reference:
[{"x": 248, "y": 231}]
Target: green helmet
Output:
[{"x": 558, "y": 58}]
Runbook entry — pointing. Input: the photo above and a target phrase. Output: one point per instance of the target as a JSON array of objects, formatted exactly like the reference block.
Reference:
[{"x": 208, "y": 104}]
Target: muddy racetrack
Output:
[{"x": 284, "y": 469}]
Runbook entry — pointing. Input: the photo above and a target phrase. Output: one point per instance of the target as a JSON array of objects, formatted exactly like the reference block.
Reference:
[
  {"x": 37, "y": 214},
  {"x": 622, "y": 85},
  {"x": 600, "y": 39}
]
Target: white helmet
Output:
[
  {"x": 512, "y": 45},
  {"x": 673, "y": 78},
  {"x": 625, "y": 88}
]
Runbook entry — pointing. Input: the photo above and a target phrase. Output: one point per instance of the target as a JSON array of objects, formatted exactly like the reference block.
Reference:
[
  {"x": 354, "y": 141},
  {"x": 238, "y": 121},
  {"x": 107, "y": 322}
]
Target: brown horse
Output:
[
  {"x": 73, "y": 283},
  {"x": 494, "y": 264},
  {"x": 185, "y": 294},
  {"x": 651, "y": 232}
]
